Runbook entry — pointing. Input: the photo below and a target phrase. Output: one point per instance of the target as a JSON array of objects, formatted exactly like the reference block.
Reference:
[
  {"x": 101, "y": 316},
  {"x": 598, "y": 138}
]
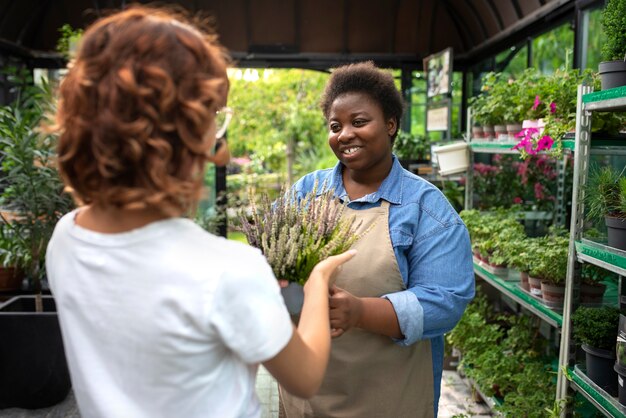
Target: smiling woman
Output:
[{"x": 387, "y": 315}]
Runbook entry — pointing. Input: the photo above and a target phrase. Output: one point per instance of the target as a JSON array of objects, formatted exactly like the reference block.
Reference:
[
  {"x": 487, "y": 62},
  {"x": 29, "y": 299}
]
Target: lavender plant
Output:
[{"x": 294, "y": 235}]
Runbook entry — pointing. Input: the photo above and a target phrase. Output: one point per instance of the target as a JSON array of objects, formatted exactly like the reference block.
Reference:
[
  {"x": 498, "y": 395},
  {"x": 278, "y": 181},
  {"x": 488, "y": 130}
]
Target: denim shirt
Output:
[{"x": 432, "y": 248}]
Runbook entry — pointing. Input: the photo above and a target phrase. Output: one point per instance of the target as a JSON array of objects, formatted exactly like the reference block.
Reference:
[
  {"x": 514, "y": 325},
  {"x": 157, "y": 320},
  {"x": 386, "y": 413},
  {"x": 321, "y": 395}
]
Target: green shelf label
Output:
[{"x": 598, "y": 96}]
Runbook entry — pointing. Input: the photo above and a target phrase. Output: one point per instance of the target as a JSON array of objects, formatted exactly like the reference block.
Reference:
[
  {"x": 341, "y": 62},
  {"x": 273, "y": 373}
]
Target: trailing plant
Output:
[
  {"x": 294, "y": 235},
  {"x": 614, "y": 25},
  {"x": 32, "y": 190},
  {"x": 596, "y": 327}
]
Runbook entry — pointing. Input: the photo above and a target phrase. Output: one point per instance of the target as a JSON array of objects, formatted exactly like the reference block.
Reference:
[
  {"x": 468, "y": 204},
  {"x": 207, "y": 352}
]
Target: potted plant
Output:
[
  {"x": 613, "y": 69},
  {"x": 549, "y": 266},
  {"x": 592, "y": 289},
  {"x": 32, "y": 357},
  {"x": 596, "y": 329},
  {"x": 294, "y": 235},
  {"x": 411, "y": 149},
  {"x": 605, "y": 198}
]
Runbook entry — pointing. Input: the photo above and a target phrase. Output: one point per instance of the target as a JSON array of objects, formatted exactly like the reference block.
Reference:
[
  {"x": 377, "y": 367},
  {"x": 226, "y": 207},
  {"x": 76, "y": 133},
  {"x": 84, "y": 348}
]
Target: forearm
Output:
[
  {"x": 313, "y": 324},
  {"x": 378, "y": 316}
]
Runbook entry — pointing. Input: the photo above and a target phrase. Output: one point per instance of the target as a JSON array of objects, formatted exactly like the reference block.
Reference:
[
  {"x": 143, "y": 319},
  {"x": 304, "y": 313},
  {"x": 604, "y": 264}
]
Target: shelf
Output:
[
  {"x": 606, "y": 100},
  {"x": 605, "y": 403},
  {"x": 490, "y": 401},
  {"x": 512, "y": 290},
  {"x": 507, "y": 148},
  {"x": 601, "y": 255}
]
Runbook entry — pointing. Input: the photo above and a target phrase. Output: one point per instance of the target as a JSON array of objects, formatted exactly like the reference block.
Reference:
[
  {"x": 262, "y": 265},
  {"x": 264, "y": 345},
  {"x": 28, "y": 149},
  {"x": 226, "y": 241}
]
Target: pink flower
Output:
[
  {"x": 537, "y": 102},
  {"x": 517, "y": 200},
  {"x": 552, "y": 107},
  {"x": 539, "y": 191},
  {"x": 545, "y": 143}
]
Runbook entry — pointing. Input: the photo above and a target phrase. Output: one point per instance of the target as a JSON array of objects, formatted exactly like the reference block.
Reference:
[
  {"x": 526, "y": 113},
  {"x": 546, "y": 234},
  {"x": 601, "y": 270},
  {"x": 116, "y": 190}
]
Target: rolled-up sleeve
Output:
[{"x": 440, "y": 283}]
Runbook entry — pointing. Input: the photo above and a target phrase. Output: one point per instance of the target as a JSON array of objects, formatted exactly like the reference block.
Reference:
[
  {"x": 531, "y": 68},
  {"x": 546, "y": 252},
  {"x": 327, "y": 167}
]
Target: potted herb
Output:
[
  {"x": 294, "y": 235},
  {"x": 613, "y": 69},
  {"x": 605, "y": 198},
  {"x": 596, "y": 329},
  {"x": 550, "y": 267},
  {"x": 592, "y": 289},
  {"x": 32, "y": 357}
]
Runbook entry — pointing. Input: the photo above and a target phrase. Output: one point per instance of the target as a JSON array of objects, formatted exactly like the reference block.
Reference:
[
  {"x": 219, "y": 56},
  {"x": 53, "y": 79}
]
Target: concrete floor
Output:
[{"x": 456, "y": 401}]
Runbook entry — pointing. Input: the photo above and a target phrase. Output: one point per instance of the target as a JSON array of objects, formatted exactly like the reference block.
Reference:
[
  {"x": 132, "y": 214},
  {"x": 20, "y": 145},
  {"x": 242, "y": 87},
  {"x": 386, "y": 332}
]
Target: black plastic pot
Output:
[
  {"x": 616, "y": 231},
  {"x": 621, "y": 376},
  {"x": 600, "y": 368},
  {"x": 33, "y": 369},
  {"x": 612, "y": 74}
]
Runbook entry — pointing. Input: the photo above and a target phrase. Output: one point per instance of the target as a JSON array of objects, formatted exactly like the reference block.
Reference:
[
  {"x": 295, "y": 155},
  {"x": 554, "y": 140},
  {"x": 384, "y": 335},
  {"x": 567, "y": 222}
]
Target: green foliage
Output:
[
  {"x": 455, "y": 194},
  {"x": 614, "y": 24},
  {"x": 548, "y": 259},
  {"x": 596, "y": 327},
  {"x": 280, "y": 105},
  {"x": 605, "y": 194},
  {"x": 294, "y": 235},
  {"x": 31, "y": 186},
  {"x": 68, "y": 40},
  {"x": 554, "y": 49},
  {"x": 411, "y": 147}
]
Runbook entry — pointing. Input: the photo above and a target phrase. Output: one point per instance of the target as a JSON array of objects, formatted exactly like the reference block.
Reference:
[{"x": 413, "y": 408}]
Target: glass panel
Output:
[
  {"x": 554, "y": 49},
  {"x": 592, "y": 38},
  {"x": 512, "y": 61}
]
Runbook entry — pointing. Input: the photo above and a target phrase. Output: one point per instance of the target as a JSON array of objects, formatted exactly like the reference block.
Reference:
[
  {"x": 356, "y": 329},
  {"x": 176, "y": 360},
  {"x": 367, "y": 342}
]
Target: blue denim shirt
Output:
[{"x": 432, "y": 248}]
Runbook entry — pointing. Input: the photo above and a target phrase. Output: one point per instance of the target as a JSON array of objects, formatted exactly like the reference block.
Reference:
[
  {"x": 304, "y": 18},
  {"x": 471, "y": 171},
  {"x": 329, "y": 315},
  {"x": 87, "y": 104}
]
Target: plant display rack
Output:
[
  {"x": 580, "y": 249},
  {"x": 587, "y": 251}
]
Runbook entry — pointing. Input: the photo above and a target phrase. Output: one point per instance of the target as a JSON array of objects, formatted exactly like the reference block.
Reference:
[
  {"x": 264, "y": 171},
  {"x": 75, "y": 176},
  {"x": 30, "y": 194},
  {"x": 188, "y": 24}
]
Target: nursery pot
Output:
[
  {"x": 535, "y": 286},
  {"x": 600, "y": 368},
  {"x": 523, "y": 280},
  {"x": 293, "y": 296},
  {"x": 477, "y": 132},
  {"x": 452, "y": 158},
  {"x": 592, "y": 293},
  {"x": 553, "y": 293},
  {"x": 616, "y": 231},
  {"x": 513, "y": 128},
  {"x": 621, "y": 375},
  {"x": 612, "y": 74}
]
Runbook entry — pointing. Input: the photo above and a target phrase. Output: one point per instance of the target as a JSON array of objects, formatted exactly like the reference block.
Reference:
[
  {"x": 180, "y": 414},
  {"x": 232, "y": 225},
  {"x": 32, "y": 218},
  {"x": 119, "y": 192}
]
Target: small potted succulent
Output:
[
  {"x": 596, "y": 329},
  {"x": 294, "y": 235},
  {"x": 613, "y": 69},
  {"x": 605, "y": 198}
]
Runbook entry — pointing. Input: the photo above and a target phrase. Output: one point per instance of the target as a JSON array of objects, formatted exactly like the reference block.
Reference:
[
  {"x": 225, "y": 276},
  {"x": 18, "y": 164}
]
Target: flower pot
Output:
[
  {"x": 600, "y": 368},
  {"x": 477, "y": 132},
  {"x": 513, "y": 275},
  {"x": 612, "y": 74},
  {"x": 523, "y": 281},
  {"x": 10, "y": 279},
  {"x": 488, "y": 131},
  {"x": 513, "y": 129},
  {"x": 293, "y": 296},
  {"x": 452, "y": 158},
  {"x": 592, "y": 294},
  {"x": 621, "y": 390},
  {"x": 535, "y": 286},
  {"x": 499, "y": 131},
  {"x": 616, "y": 231},
  {"x": 552, "y": 294}
]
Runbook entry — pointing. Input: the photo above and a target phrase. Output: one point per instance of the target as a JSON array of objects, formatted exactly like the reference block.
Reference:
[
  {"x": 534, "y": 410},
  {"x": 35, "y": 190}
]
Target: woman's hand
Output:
[{"x": 345, "y": 311}]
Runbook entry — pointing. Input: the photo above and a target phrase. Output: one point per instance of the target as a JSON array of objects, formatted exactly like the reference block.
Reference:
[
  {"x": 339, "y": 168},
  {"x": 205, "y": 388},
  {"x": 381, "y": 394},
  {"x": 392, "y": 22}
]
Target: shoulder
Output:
[
  {"x": 428, "y": 200},
  {"x": 306, "y": 183}
]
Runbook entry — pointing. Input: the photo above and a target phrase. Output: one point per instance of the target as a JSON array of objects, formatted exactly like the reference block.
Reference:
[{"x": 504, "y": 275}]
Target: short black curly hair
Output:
[{"x": 365, "y": 77}]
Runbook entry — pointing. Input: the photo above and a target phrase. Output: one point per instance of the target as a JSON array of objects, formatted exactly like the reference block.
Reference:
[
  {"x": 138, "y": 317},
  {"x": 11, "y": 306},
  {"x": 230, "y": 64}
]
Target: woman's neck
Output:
[
  {"x": 111, "y": 220},
  {"x": 360, "y": 183}
]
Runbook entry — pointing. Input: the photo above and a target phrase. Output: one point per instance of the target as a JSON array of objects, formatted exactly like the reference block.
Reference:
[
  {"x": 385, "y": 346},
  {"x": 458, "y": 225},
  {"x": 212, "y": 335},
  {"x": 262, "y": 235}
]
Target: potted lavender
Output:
[{"x": 294, "y": 235}]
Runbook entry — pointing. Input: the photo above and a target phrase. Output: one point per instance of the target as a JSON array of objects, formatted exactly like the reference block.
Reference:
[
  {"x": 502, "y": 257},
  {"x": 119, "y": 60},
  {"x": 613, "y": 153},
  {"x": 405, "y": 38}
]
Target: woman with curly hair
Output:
[
  {"x": 160, "y": 318},
  {"x": 388, "y": 315}
]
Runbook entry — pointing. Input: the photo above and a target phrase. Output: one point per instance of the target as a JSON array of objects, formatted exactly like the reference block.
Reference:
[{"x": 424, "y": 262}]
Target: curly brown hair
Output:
[
  {"x": 137, "y": 108},
  {"x": 365, "y": 77}
]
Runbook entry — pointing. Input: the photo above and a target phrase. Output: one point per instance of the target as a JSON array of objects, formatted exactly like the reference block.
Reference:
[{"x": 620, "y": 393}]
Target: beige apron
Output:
[{"x": 368, "y": 375}]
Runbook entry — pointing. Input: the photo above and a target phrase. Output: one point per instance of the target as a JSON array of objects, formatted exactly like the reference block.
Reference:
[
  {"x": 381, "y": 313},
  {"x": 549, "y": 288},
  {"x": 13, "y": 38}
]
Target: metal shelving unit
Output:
[
  {"x": 584, "y": 250},
  {"x": 523, "y": 298}
]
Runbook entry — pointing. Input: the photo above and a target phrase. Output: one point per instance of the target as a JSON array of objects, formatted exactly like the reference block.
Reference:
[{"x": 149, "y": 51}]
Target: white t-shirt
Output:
[{"x": 164, "y": 321}]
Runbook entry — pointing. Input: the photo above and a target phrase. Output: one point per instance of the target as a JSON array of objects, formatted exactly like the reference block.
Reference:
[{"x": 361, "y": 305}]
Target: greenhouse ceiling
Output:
[{"x": 311, "y": 33}]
